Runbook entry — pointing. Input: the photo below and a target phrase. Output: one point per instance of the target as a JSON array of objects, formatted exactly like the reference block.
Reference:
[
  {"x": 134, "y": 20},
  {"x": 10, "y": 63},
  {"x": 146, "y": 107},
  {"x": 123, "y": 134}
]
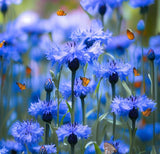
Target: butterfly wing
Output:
[
  {"x": 147, "y": 112},
  {"x": 135, "y": 72},
  {"x": 21, "y": 86},
  {"x": 28, "y": 70},
  {"x": 109, "y": 148},
  {"x": 130, "y": 34},
  {"x": 61, "y": 13},
  {"x": 85, "y": 81}
]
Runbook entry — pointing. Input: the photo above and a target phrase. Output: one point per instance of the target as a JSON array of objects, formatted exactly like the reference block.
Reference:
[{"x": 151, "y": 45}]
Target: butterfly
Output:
[
  {"x": 130, "y": 34},
  {"x": 135, "y": 72},
  {"x": 43, "y": 150},
  {"x": 147, "y": 112},
  {"x": 21, "y": 86},
  {"x": 28, "y": 70},
  {"x": 109, "y": 148},
  {"x": 2, "y": 43},
  {"x": 85, "y": 81},
  {"x": 61, "y": 13}
]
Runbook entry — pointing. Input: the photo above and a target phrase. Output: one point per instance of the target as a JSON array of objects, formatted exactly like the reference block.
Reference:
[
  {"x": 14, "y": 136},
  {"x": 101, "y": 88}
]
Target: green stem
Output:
[
  {"x": 59, "y": 77},
  {"x": 72, "y": 149},
  {"x": 114, "y": 115},
  {"x": 102, "y": 19},
  {"x": 119, "y": 19},
  {"x": 72, "y": 86},
  {"x": 46, "y": 133},
  {"x": 153, "y": 94},
  {"x": 83, "y": 110},
  {"x": 132, "y": 137}
]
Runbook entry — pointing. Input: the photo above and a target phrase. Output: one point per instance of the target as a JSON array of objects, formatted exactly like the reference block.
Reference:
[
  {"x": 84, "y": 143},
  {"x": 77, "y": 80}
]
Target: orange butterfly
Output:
[
  {"x": 109, "y": 148},
  {"x": 147, "y": 112},
  {"x": 43, "y": 149},
  {"x": 61, "y": 13},
  {"x": 135, "y": 72},
  {"x": 2, "y": 43},
  {"x": 21, "y": 86},
  {"x": 130, "y": 34},
  {"x": 85, "y": 81},
  {"x": 28, "y": 70}
]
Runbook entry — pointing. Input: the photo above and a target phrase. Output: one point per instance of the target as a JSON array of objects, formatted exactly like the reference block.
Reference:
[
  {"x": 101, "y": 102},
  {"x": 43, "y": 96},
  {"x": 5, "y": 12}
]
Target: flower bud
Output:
[
  {"x": 151, "y": 54},
  {"x": 113, "y": 78},
  {"x": 72, "y": 139},
  {"x": 74, "y": 64},
  {"x": 102, "y": 10},
  {"x": 48, "y": 85},
  {"x": 133, "y": 114}
]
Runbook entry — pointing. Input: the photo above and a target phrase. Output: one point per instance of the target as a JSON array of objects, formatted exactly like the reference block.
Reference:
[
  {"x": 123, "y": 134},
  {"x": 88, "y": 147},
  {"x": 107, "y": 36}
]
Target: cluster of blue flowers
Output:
[{"x": 77, "y": 53}]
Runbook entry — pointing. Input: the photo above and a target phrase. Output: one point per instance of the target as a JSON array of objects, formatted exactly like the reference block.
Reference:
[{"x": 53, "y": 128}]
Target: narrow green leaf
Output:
[
  {"x": 85, "y": 69},
  {"x": 149, "y": 76},
  {"x": 102, "y": 116},
  {"x": 111, "y": 121},
  {"x": 89, "y": 143},
  {"x": 54, "y": 78},
  {"x": 97, "y": 149},
  {"x": 153, "y": 150},
  {"x": 69, "y": 107},
  {"x": 90, "y": 112},
  {"x": 126, "y": 88},
  {"x": 97, "y": 88},
  {"x": 61, "y": 123}
]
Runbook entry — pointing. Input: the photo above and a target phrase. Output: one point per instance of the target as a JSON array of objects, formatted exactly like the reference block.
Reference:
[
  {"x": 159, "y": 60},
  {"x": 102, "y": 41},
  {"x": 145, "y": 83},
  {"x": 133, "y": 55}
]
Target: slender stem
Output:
[
  {"x": 102, "y": 19},
  {"x": 59, "y": 77},
  {"x": 153, "y": 94},
  {"x": 119, "y": 19},
  {"x": 114, "y": 115},
  {"x": 132, "y": 137},
  {"x": 47, "y": 125},
  {"x": 143, "y": 65},
  {"x": 72, "y": 149},
  {"x": 72, "y": 86},
  {"x": 98, "y": 105},
  {"x": 83, "y": 110}
]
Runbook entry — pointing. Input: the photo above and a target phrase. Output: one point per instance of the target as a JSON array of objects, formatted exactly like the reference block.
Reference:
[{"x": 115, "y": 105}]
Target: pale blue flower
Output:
[{"x": 140, "y": 3}]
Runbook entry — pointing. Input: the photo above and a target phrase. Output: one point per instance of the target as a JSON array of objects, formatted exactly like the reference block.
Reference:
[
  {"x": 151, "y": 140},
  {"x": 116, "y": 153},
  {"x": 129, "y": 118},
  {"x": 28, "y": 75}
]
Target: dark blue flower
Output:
[
  {"x": 140, "y": 3},
  {"x": 91, "y": 34},
  {"x": 13, "y": 145},
  {"x": 79, "y": 89},
  {"x": 9, "y": 2},
  {"x": 118, "y": 44},
  {"x": 111, "y": 68},
  {"x": 47, "y": 148},
  {"x": 26, "y": 132},
  {"x": 122, "y": 106},
  {"x": 45, "y": 109},
  {"x": 3, "y": 150},
  {"x": 77, "y": 129},
  {"x": 140, "y": 25},
  {"x": 120, "y": 146}
]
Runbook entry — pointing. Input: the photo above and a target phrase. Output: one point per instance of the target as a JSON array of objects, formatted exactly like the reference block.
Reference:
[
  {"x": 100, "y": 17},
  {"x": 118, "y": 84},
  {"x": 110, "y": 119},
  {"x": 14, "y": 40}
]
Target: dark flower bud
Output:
[
  {"x": 4, "y": 8},
  {"x": 133, "y": 114},
  {"x": 143, "y": 10},
  {"x": 48, "y": 85},
  {"x": 102, "y": 9},
  {"x": 113, "y": 78},
  {"x": 13, "y": 152},
  {"x": 150, "y": 54},
  {"x": 47, "y": 117},
  {"x": 72, "y": 139},
  {"x": 43, "y": 150},
  {"x": 74, "y": 64},
  {"x": 88, "y": 43}
]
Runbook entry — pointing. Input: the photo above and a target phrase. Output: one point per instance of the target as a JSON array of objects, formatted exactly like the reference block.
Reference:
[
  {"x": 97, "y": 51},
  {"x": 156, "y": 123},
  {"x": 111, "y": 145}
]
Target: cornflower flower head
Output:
[
  {"x": 91, "y": 34},
  {"x": 3, "y": 150},
  {"x": 94, "y": 6},
  {"x": 131, "y": 105},
  {"x": 12, "y": 145},
  {"x": 140, "y": 3},
  {"x": 48, "y": 110},
  {"x": 73, "y": 132},
  {"x": 45, "y": 149},
  {"x": 79, "y": 89},
  {"x": 26, "y": 132},
  {"x": 113, "y": 70},
  {"x": 118, "y": 44},
  {"x": 115, "y": 3},
  {"x": 119, "y": 145}
]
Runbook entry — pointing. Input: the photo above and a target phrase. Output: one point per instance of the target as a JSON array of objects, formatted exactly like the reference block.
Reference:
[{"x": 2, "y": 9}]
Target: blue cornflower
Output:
[
  {"x": 140, "y": 25},
  {"x": 91, "y": 34},
  {"x": 77, "y": 129},
  {"x": 26, "y": 132},
  {"x": 146, "y": 133},
  {"x": 140, "y": 3},
  {"x": 115, "y": 3},
  {"x": 12, "y": 145},
  {"x": 73, "y": 50},
  {"x": 113, "y": 69},
  {"x": 48, "y": 110},
  {"x": 45, "y": 148},
  {"x": 122, "y": 106},
  {"x": 94, "y": 6},
  {"x": 79, "y": 89},
  {"x": 119, "y": 145},
  {"x": 3, "y": 150},
  {"x": 118, "y": 44}
]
